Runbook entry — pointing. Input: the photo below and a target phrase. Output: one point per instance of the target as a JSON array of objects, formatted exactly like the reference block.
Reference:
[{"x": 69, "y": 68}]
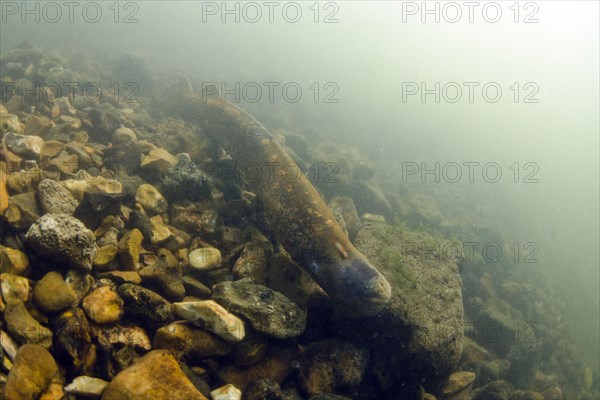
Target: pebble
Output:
[
  {"x": 85, "y": 183},
  {"x": 72, "y": 338},
  {"x": 276, "y": 365},
  {"x": 209, "y": 315},
  {"x": 55, "y": 198},
  {"x": 31, "y": 374},
  {"x": 104, "y": 257},
  {"x": 80, "y": 283},
  {"x": 13, "y": 261},
  {"x": 332, "y": 366},
  {"x": 497, "y": 390},
  {"x": 103, "y": 305},
  {"x": 160, "y": 233},
  {"x": 268, "y": 311},
  {"x": 263, "y": 388},
  {"x": 52, "y": 294},
  {"x": 27, "y": 146},
  {"x": 230, "y": 237},
  {"x": 94, "y": 208},
  {"x": 104, "y": 122},
  {"x": 144, "y": 303},
  {"x": 165, "y": 278},
  {"x": 184, "y": 340},
  {"x": 120, "y": 277},
  {"x": 373, "y": 218},
  {"x": 14, "y": 287},
  {"x": 129, "y": 250},
  {"x": 52, "y": 148},
  {"x": 252, "y": 263},
  {"x": 86, "y": 386},
  {"x": 157, "y": 375},
  {"x": 249, "y": 350},
  {"x": 123, "y": 135},
  {"x": 22, "y": 211},
  {"x": 150, "y": 198},
  {"x": 205, "y": 259},
  {"x": 194, "y": 287},
  {"x": 21, "y": 325},
  {"x": 10, "y": 123},
  {"x": 9, "y": 346},
  {"x": 38, "y": 126},
  {"x": 553, "y": 393},
  {"x": 227, "y": 392},
  {"x": 126, "y": 335},
  {"x": 458, "y": 381},
  {"x": 158, "y": 162},
  {"x": 63, "y": 239},
  {"x": 24, "y": 181}
]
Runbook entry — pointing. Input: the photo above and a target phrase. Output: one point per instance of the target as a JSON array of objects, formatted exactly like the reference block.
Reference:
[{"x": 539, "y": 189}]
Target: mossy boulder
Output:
[{"x": 417, "y": 338}]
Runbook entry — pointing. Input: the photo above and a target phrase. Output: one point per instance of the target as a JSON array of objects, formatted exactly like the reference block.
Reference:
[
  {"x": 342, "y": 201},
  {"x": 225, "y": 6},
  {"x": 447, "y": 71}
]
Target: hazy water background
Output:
[{"x": 369, "y": 53}]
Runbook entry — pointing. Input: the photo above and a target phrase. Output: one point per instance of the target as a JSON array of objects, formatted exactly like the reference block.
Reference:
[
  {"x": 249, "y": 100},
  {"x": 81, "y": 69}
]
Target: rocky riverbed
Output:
[{"x": 136, "y": 263}]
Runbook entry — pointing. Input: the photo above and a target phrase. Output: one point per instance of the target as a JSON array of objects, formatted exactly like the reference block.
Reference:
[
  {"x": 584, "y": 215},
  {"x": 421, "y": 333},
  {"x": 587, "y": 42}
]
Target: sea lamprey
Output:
[{"x": 298, "y": 215}]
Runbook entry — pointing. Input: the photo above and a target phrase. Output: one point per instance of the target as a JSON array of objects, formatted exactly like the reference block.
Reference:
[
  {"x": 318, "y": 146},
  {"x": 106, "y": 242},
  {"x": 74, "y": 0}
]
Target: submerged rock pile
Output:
[{"x": 130, "y": 270}]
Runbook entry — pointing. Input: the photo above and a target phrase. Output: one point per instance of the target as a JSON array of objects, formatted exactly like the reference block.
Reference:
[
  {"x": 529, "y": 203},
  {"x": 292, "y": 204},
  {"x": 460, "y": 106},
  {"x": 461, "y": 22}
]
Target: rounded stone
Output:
[
  {"x": 206, "y": 259},
  {"x": 103, "y": 305},
  {"x": 32, "y": 372},
  {"x": 123, "y": 135}
]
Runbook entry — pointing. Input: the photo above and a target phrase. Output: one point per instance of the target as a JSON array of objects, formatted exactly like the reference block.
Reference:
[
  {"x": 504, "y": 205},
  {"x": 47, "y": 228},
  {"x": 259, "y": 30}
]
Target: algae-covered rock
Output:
[
  {"x": 185, "y": 181},
  {"x": 72, "y": 339},
  {"x": 63, "y": 239},
  {"x": 422, "y": 326},
  {"x": 268, "y": 311},
  {"x": 144, "y": 303},
  {"x": 55, "y": 198}
]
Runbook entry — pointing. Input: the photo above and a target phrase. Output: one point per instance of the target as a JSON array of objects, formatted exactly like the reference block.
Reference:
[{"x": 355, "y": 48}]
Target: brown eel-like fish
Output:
[{"x": 300, "y": 218}]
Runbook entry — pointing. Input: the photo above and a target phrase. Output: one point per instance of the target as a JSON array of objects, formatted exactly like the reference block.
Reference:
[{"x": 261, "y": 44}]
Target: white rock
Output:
[
  {"x": 86, "y": 386},
  {"x": 209, "y": 315},
  {"x": 206, "y": 259},
  {"x": 14, "y": 287},
  {"x": 227, "y": 392}
]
